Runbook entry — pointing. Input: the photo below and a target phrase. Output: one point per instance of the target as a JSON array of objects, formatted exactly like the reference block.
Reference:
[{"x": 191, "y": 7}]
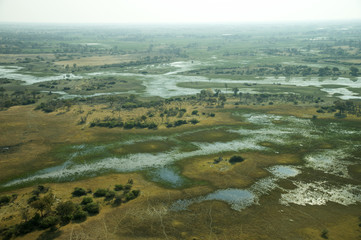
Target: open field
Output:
[{"x": 232, "y": 132}]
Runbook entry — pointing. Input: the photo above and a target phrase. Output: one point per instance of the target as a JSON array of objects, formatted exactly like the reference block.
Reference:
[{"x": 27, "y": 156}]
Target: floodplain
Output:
[{"x": 199, "y": 132}]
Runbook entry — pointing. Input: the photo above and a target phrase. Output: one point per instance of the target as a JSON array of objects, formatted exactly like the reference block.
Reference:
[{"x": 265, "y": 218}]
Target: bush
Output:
[
  {"x": 24, "y": 228},
  {"x": 128, "y": 186},
  {"x": 92, "y": 208},
  {"x": 128, "y": 125},
  {"x": 194, "y": 121},
  {"x": 152, "y": 126},
  {"x": 129, "y": 196},
  {"x": 78, "y": 192},
  {"x": 195, "y": 112},
  {"x": 136, "y": 193},
  {"x": 32, "y": 199},
  {"x": 118, "y": 187},
  {"x": 340, "y": 115},
  {"x": 324, "y": 234},
  {"x": 86, "y": 200},
  {"x": 27, "y": 227},
  {"x": 40, "y": 189},
  {"x": 179, "y": 123},
  {"x": 7, "y": 234},
  {"x": 100, "y": 192},
  {"x": 65, "y": 210},
  {"x": 117, "y": 200},
  {"x": 49, "y": 221},
  {"x": 80, "y": 215},
  {"x": 109, "y": 195},
  {"x": 5, "y": 200},
  {"x": 236, "y": 159}
]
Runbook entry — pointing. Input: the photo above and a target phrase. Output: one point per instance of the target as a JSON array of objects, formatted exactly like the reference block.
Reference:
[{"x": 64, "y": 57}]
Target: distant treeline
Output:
[{"x": 277, "y": 70}]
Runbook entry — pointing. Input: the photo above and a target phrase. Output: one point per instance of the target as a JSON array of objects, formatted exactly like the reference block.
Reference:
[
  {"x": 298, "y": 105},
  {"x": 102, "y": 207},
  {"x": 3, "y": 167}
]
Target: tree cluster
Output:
[{"x": 52, "y": 214}]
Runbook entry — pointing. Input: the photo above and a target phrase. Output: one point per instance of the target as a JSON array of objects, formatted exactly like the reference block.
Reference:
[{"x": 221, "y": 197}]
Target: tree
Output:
[
  {"x": 236, "y": 159},
  {"x": 354, "y": 71},
  {"x": 65, "y": 210},
  {"x": 235, "y": 91},
  {"x": 39, "y": 205},
  {"x": 92, "y": 208},
  {"x": 44, "y": 203},
  {"x": 86, "y": 200},
  {"x": 78, "y": 192},
  {"x": 340, "y": 105}
]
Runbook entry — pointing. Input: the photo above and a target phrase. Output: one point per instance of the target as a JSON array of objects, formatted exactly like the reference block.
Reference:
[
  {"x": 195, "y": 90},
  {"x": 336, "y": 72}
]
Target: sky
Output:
[{"x": 177, "y": 11}]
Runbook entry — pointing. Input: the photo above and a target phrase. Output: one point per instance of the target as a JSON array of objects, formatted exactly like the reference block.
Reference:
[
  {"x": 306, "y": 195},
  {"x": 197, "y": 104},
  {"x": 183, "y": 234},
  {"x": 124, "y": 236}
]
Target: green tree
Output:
[
  {"x": 92, "y": 208},
  {"x": 65, "y": 211},
  {"x": 354, "y": 71},
  {"x": 78, "y": 192},
  {"x": 43, "y": 204},
  {"x": 235, "y": 91}
]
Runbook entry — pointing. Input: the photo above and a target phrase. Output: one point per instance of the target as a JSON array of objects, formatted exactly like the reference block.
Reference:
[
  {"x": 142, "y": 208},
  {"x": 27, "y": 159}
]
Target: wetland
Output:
[{"x": 181, "y": 133}]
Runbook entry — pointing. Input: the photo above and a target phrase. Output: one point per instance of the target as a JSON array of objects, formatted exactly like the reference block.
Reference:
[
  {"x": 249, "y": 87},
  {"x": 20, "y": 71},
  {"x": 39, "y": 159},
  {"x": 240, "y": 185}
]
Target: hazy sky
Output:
[{"x": 171, "y": 11}]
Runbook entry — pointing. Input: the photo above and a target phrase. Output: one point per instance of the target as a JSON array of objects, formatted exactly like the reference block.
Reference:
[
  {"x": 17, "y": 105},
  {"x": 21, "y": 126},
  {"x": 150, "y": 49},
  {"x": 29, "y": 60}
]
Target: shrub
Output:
[
  {"x": 152, "y": 126},
  {"x": 195, "y": 112},
  {"x": 24, "y": 228},
  {"x": 236, "y": 159},
  {"x": 179, "y": 123},
  {"x": 49, "y": 221},
  {"x": 324, "y": 234},
  {"x": 128, "y": 125},
  {"x": 109, "y": 195},
  {"x": 86, "y": 200},
  {"x": 4, "y": 199},
  {"x": 129, "y": 196},
  {"x": 65, "y": 210},
  {"x": 78, "y": 192},
  {"x": 136, "y": 193},
  {"x": 8, "y": 233},
  {"x": 32, "y": 199},
  {"x": 194, "y": 121},
  {"x": 28, "y": 226},
  {"x": 128, "y": 186},
  {"x": 92, "y": 208},
  {"x": 100, "y": 192},
  {"x": 118, "y": 187},
  {"x": 80, "y": 215},
  {"x": 117, "y": 200},
  {"x": 40, "y": 189}
]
